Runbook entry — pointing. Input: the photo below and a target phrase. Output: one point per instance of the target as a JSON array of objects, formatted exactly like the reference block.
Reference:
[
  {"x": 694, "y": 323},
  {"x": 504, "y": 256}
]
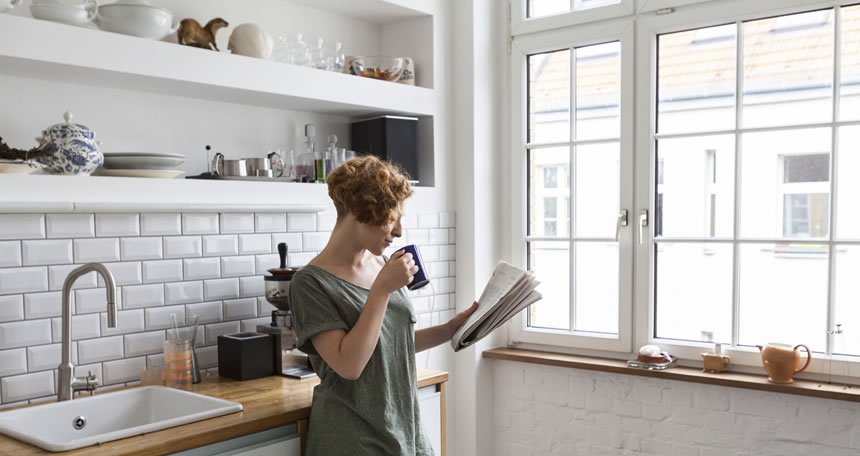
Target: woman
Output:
[{"x": 355, "y": 321}]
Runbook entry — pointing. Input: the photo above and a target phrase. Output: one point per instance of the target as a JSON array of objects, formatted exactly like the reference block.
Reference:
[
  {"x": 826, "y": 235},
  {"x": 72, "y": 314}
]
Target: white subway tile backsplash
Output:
[
  {"x": 115, "y": 225},
  {"x": 23, "y": 280},
  {"x": 183, "y": 247},
  {"x": 25, "y": 333},
  {"x": 70, "y": 225},
  {"x": 438, "y": 269},
  {"x": 298, "y": 260},
  {"x": 237, "y": 223},
  {"x": 57, "y": 275},
  {"x": 302, "y": 222},
  {"x": 162, "y": 271},
  {"x": 143, "y": 248},
  {"x": 237, "y": 266},
  {"x": 22, "y": 226},
  {"x": 202, "y": 268},
  {"x": 250, "y": 244},
  {"x": 124, "y": 370},
  {"x": 46, "y": 252},
  {"x": 264, "y": 307},
  {"x": 10, "y": 254},
  {"x": 438, "y": 236},
  {"x": 96, "y": 250},
  {"x": 326, "y": 221},
  {"x": 44, "y": 357},
  {"x": 11, "y": 308},
  {"x": 147, "y": 343},
  {"x": 217, "y": 329},
  {"x": 266, "y": 262},
  {"x": 183, "y": 292},
  {"x": 13, "y": 362},
  {"x": 452, "y": 269},
  {"x": 447, "y": 220},
  {"x": 409, "y": 221},
  {"x": 270, "y": 222},
  {"x": 127, "y": 321},
  {"x": 429, "y": 253},
  {"x": 138, "y": 296},
  {"x": 127, "y": 273},
  {"x": 250, "y": 325},
  {"x": 216, "y": 289},
  {"x": 83, "y": 327},
  {"x": 293, "y": 241},
  {"x": 43, "y": 305},
  {"x": 93, "y": 300},
  {"x": 417, "y": 236},
  {"x": 452, "y": 235},
  {"x": 101, "y": 349},
  {"x": 159, "y": 317},
  {"x": 207, "y": 357},
  {"x": 447, "y": 252},
  {"x": 160, "y": 225},
  {"x": 82, "y": 370},
  {"x": 207, "y": 312},
  {"x": 238, "y": 309},
  {"x": 251, "y": 286},
  {"x": 220, "y": 245},
  {"x": 157, "y": 361},
  {"x": 199, "y": 223},
  {"x": 316, "y": 240},
  {"x": 428, "y": 220},
  {"x": 29, "y": 386}
]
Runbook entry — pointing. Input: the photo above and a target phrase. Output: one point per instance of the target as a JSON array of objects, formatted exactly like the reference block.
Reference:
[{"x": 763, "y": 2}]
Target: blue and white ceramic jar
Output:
[{"x": 76, "y": 150}]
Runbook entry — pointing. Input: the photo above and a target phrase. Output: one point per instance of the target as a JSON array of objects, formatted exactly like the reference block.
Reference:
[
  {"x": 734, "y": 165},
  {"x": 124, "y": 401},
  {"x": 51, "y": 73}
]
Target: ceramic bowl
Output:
[
  {"x": 136, "y": 18},
  {"x": 66, "y": 12},
  {"x": 384, "y": 68}
]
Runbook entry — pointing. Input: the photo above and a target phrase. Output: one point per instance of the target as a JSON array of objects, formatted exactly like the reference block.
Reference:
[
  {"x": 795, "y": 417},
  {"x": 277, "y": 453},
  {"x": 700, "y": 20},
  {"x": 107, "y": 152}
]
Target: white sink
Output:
[{"x": 110, "y": 416}]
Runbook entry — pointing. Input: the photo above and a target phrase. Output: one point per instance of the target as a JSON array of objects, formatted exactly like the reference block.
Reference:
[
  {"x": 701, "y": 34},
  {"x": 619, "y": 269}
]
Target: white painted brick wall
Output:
[
  {"x": 170, "y": 263},
  {"x": 544, "y": 410}
]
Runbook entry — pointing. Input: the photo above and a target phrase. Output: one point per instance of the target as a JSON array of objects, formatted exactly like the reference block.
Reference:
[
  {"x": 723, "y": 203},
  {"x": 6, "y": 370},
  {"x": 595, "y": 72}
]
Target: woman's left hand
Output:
[{"x": 458, "y": 320}]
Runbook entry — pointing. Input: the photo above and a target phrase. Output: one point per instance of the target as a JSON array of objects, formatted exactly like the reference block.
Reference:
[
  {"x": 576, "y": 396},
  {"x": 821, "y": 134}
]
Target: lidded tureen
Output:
[{"x": 76, "y": 150}]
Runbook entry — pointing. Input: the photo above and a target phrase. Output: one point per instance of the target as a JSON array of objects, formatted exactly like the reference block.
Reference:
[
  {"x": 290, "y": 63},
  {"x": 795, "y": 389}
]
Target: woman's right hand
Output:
[{"x": 397, "y": 272}]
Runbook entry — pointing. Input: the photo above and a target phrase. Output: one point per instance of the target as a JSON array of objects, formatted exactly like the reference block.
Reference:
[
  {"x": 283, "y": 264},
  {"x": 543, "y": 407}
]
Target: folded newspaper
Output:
[{"x": 509, "y": 291}]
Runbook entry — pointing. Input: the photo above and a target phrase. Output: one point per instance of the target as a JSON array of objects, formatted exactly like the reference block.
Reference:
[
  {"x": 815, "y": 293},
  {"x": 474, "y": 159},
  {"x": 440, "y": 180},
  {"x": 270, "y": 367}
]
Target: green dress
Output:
[{"x": 376, "y": 414}]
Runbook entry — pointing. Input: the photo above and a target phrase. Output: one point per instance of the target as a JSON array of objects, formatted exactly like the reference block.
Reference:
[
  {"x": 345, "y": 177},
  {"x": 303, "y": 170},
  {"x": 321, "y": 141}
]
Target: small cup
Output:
[
  {"x": 716, "y": 363},
  {"x": 420, "y": 278},
  {"x": 178, "y": 371}
]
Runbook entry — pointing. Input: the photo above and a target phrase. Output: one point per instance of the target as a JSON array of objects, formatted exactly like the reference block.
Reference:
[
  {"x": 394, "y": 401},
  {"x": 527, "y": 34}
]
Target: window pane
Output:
[
  {"x": 788, "y": 69},
  {"x": 696, "y": 193},
  {"x": 783, "y": 294},
  {"x": 596, "y": 287},
  {"x": 550, "y": 261},
  {"x": 549, "y": 97},
  {"x": 847, "y": 295},
  {"x": 849, "y": 107},
  {"x": 597, "y": 189},
  {"x": 556, "y": 159},
  {"x": 696, "y": 73},
  {"x": 848, "y": 184},
  {"x": 772, "y": 201},
  {"x": 598, "y": 91},
  {"x": 694, "y": 291},
  {"x": 538, "y": 8}
]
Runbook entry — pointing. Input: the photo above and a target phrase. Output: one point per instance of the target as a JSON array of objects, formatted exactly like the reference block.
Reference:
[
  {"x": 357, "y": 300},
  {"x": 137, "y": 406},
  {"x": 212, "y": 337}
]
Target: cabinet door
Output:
[
  {"x": 288, "y": 446},
  {"x": 429, "y": 400}
]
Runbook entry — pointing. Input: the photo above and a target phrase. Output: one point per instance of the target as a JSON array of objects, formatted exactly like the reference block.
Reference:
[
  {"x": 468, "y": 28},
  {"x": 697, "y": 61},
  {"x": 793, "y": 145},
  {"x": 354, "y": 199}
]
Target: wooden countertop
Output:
[{"x": 267, "y": 403}]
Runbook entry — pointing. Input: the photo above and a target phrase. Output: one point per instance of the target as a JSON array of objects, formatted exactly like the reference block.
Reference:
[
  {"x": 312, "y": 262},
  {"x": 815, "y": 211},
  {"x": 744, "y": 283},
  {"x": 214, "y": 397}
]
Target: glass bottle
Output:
[
  {"x": 305, "y": 167},
  {"x": 330, "y": 153},
  {"x": 339, "y": 58},
  {"x": 299, "y": 53}
]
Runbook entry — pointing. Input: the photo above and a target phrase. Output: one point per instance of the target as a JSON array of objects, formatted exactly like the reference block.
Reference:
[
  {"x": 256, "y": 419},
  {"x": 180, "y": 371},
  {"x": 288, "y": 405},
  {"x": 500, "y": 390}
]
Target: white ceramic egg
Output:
[{"x": 252, "y": 41}]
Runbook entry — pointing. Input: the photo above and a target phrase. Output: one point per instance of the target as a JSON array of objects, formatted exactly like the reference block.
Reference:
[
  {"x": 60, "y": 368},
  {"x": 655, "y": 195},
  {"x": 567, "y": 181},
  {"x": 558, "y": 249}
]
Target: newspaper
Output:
[{"x": 509, "y": 291}]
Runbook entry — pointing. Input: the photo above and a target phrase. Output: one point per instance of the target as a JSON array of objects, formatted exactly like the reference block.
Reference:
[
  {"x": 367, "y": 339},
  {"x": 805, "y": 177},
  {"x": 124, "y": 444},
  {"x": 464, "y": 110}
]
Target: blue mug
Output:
[{"x": 420, "y": 278}]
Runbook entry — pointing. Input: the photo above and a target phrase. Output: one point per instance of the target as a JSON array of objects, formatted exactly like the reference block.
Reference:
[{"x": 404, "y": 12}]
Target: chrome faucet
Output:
[{"x": 68, "y": 384}]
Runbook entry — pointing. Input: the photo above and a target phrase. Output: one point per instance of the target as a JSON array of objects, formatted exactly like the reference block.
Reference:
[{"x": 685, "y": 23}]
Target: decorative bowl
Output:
[
  {"x": 76, "y": 150},
  {"x": 67, "y": 12},
  {"x": 384, "y": 68},
  {"x": 136, "y": 18}
]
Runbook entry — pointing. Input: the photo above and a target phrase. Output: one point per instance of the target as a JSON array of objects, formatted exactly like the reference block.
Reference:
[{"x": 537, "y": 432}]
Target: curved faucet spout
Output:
[{"x": 66, "y": 379}]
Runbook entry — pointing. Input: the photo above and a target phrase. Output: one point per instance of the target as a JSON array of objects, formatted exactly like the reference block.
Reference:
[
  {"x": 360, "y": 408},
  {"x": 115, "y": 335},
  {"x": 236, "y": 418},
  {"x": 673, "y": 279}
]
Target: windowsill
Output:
[{"x": 684, "y": 374}]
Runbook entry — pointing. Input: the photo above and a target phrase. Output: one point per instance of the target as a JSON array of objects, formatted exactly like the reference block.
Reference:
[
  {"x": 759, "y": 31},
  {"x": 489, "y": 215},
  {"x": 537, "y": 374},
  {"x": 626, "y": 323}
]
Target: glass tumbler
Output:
[{"x": 177, "y": 363}]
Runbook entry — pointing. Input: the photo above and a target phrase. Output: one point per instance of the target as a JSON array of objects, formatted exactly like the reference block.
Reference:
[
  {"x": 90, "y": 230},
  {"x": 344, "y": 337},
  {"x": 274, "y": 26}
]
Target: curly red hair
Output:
[{"x": 370, "y": 189}]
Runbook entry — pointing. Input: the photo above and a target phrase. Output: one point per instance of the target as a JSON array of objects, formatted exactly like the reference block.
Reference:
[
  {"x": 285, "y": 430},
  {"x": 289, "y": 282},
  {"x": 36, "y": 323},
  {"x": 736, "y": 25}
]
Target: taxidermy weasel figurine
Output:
[{"x": 191, "y": 33}]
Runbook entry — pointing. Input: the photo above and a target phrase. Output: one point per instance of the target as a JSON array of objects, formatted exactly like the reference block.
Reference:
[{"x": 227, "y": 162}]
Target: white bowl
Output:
[
  {"x": 136, "y": 19},
  {"x": 65, "y": 12}
]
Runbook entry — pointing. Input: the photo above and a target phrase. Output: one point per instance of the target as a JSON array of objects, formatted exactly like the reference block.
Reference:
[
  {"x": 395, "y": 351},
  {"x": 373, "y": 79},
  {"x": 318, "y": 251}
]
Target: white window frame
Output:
[
  {"x": 620, "y": 30},
  {"x": 651, "y": 18}
]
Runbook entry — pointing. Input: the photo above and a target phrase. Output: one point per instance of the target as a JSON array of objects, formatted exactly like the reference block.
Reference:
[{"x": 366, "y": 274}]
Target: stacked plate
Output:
[
  {"x": 141, "y": 164},
  {"x": 17, "y": 167}
]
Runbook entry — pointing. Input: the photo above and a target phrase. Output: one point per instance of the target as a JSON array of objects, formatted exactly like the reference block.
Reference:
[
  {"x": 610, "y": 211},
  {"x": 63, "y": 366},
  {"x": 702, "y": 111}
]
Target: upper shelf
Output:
[
  {"x": 47, "y": 50},
  {"x": 374, "y": 11}
]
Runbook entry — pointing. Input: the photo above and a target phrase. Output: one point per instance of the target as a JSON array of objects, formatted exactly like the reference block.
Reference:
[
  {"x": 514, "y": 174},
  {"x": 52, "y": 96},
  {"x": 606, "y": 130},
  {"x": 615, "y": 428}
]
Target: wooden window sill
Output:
[{"x": 684, "y": 374}]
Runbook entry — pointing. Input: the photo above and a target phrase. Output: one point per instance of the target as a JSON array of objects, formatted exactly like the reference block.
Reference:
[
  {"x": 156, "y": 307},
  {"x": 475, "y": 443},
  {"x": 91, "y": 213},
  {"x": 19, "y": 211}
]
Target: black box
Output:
[
  {"x": 391, "y": 138},
  {"x": 245, "y": 356}
]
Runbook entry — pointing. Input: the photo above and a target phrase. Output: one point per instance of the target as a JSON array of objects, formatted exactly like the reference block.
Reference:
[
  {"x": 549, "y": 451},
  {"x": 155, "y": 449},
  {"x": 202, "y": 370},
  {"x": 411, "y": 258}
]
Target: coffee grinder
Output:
[{"x": 288, "y": 361}]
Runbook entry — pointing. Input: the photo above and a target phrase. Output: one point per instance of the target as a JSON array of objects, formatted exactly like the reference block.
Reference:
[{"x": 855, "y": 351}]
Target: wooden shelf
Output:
[
  {"x": 684, "y": 374},
  {"x": 47, "y": 50}
]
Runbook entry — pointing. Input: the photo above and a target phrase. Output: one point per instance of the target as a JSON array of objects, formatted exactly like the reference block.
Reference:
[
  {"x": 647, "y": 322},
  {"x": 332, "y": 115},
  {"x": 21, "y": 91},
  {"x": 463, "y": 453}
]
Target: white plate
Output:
[
  {"x": 113, "y": 161},
  {"x": 157, "y": 173},
  {"x": 142, "y": 154},
  {"x": 17, "y": 168}
]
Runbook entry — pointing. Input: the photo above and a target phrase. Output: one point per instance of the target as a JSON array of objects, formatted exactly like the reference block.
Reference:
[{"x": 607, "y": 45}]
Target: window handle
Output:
[
  {"x": 643, "y": 224},
  {"x": 622, "y": 221}
]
